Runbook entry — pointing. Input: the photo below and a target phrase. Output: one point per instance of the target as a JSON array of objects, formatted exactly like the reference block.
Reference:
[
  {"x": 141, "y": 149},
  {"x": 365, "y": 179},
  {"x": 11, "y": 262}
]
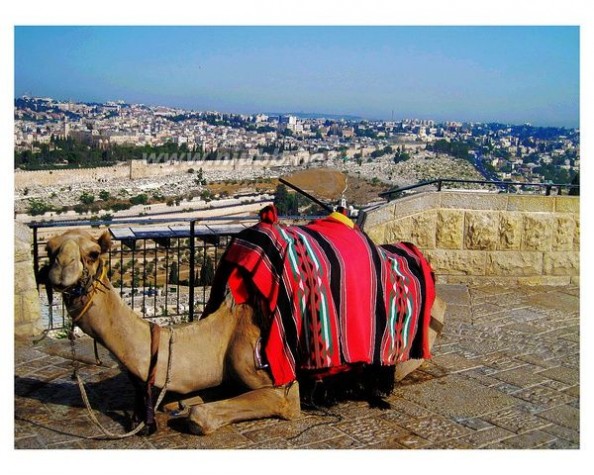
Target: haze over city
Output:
[{"x": 511, "y": 74}]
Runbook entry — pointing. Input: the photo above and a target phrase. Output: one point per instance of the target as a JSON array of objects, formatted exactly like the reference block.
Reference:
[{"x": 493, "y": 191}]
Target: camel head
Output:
[{"x": 75, "y": 257}]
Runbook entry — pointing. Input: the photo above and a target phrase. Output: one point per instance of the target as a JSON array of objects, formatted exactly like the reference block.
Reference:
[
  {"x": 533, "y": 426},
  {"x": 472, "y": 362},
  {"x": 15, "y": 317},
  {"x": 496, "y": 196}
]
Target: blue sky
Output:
[{"x": 508, "y": 74}]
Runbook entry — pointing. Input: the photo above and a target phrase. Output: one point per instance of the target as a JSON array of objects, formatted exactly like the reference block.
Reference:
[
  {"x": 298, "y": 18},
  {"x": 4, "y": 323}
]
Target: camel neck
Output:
[
  {"x": 198, "y": 352},
  {"x": 124, "y": 333}
]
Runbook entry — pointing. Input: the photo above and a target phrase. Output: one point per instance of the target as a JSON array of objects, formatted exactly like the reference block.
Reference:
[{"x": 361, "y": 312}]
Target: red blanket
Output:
[{"x": 333, "y": 297}]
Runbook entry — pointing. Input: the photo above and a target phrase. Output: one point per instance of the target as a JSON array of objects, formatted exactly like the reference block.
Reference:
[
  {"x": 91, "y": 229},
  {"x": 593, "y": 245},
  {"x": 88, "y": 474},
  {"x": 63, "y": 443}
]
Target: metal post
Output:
[
  {"x": 35, "y": 252},
  {"x": 192, "y": 267}
]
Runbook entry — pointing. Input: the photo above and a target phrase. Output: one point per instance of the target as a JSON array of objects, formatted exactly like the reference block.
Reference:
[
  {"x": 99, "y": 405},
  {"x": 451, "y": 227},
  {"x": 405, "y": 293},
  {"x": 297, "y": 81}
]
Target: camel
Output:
[{"x": 203, "y": 354}]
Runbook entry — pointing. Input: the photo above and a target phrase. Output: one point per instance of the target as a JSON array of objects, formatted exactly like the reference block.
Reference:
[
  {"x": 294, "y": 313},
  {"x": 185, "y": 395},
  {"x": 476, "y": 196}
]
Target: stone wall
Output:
[
  {"x": 137, "y": 169},
  {"x": 486, "y": 237},
  {"x": 24, "y": 179},
  {"x": 27, "y": 307}
]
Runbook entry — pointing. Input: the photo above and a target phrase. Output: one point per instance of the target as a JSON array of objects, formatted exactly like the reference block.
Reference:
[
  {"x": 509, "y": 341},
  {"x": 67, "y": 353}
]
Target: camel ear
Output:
[{"x": 105, "y": 242}]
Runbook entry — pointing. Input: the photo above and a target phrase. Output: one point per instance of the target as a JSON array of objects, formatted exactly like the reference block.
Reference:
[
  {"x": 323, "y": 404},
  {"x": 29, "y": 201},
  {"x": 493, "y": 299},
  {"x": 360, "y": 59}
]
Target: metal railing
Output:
[
  {"x": 162, "y": 273},
  {"x": 161, "y": 267},
  {"x": 502, "y": 186}
]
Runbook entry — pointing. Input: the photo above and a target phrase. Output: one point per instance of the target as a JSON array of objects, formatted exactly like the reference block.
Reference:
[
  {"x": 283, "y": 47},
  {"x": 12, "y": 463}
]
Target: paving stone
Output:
[
  {"x": 473, "y": 423},
  {"x": 565, "y": 433},
  {"x": 129, "y": 443},
  {"x": 573, "y": 391},
  {"x": 459, "y": 294},
  {"x": 454, "y": 363},
  {"x": 345, "y": 442},
  {"x": 522, "y": 377},
  {"x": 479, "y": 376},
  {"x": 566, "y": 416},
  {"x": 543, "y": 396},
  {"x": 556, "y": 385},
  {"x": 570, "y": 376},
  {"x": 500, "y": 361},
  {"x": 529, "y": 440},
  {"x": 485, "y": 437},
  {"x": 555, "y": 300},
  {"x": 413, "y": 441},
  {"x": 507, "y": 388},
  {"x": 459, "y": 312},
  {"x": 560, "y": 444},
  {"x": 436, "y": 428},
  {"x": 298, "y": 432},
  {"x": 369, "y": 430},
  {"x": 28, "y": 443},
  {"x": 516, "y": 420},
  {"x": 69, "y": 444},
  {"x": 536, "y": 360},
  {"x": 457, "y": 396}
]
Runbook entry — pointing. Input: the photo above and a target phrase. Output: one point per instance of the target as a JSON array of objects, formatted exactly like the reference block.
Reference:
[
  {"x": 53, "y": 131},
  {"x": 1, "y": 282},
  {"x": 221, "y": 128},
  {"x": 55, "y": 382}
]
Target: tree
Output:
[
  {"x": 104, "y": 195},
  {"x": 173, "y": 273},
  {"x": 140, "y": 199},
  {"x": 285, "y": 203},
  {"x": 87, "y": 198},
  {"x": 38, "y": 207},
  {"x": 207, "y": 272}
]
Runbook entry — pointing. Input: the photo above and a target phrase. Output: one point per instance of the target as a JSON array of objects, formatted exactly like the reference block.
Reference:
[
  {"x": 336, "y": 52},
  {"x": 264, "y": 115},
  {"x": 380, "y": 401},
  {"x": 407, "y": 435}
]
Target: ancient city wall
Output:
[
  {"x": 485, "y": 237},
  {"x": 136, "y": 169},
  {"x": 24, "y": 179}
]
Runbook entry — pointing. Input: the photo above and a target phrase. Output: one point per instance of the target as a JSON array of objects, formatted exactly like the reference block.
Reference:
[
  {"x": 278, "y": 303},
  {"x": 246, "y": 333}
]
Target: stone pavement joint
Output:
[{"x": 505, "y": 375}]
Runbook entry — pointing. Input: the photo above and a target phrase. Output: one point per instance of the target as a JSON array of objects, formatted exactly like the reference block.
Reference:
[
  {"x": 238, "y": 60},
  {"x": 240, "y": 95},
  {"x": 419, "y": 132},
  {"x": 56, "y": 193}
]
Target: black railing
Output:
[
  {"x": 502, "y": 186},
  {"x": 162, "y": 268},
  {"x": 156, "y": 270}
]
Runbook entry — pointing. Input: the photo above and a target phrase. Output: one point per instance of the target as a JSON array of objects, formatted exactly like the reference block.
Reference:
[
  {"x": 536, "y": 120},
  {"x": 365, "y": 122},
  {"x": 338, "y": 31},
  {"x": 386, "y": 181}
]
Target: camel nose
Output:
[
  {"x": 67, "y": 267},
  {"x": 68, "y": 253}
]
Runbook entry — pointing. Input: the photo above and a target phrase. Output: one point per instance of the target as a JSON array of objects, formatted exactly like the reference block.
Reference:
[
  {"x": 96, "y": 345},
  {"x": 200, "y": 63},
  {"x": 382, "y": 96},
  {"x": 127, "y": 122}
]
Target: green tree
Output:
[
  {"x": 285, "y": 202},
  {"x": 38, "y": 207},
  {"x": 207, "y": 272},
  {"x": 87, "y": 198},
  {"x": 140, "y": 199},
  {"x": 173, "y": 273}
]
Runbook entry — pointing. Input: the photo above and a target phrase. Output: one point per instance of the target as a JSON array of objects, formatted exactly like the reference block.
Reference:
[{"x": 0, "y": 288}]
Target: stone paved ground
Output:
[{"x": 505, "y": 375}]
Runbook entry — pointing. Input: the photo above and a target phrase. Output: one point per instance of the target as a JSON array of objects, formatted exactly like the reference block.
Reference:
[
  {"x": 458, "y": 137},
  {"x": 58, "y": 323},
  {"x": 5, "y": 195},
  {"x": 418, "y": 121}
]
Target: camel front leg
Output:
[{"x": 259, "y": 403}]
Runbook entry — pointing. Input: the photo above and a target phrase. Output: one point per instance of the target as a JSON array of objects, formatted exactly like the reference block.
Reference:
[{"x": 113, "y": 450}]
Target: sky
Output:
[{"x": 510, "y": 74}]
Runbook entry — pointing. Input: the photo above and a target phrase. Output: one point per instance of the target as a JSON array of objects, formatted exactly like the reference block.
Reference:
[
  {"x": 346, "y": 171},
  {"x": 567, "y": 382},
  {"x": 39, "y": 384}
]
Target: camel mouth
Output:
[
  {"x": 61, "y": 288},
  {"x": 61, "y": 280}
]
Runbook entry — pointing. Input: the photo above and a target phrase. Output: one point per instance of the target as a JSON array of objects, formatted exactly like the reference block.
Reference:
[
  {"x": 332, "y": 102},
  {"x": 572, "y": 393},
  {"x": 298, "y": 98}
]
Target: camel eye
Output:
[{"x": 93, "y": 256}]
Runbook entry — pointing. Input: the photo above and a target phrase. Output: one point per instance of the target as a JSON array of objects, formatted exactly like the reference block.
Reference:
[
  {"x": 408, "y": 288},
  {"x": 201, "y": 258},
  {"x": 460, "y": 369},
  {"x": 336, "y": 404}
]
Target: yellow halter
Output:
[{"x": 92, "y": 293}]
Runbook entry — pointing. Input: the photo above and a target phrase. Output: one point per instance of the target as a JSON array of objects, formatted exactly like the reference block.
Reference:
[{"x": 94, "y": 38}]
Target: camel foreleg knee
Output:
[{"x": 259, "y": 403}]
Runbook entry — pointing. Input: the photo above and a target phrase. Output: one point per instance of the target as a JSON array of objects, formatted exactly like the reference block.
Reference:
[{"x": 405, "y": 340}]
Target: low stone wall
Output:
[
  {"x": 486, "y": 237},
  {"x": 27, "y": 308}
]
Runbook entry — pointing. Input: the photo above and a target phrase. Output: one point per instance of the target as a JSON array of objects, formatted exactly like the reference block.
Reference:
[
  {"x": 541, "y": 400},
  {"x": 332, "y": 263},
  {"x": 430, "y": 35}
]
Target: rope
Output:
[{"x": 111, "y": 435}]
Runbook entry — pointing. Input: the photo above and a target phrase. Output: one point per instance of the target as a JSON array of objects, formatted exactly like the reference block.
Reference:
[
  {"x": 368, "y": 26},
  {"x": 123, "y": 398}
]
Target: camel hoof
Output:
[{"x": 198, "y": 422}]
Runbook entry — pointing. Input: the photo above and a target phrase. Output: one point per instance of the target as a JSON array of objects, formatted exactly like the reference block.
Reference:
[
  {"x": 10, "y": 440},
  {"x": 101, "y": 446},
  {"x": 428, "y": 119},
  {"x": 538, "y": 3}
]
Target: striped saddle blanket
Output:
[{"x": 332, "y": 296}]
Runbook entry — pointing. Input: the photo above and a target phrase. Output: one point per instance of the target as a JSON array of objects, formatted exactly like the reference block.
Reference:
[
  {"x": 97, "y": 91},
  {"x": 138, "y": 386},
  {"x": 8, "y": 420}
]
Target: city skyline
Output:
[{"x": 527, "y": 74}]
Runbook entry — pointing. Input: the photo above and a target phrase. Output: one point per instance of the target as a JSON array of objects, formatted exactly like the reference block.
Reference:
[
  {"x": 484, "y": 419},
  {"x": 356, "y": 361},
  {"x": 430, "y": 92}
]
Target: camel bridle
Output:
[{"x": 85, "y": 290}]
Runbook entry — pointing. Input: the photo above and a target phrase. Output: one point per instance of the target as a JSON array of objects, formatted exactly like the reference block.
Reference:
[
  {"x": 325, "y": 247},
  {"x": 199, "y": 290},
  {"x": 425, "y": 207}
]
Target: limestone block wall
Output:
[
  {"x": 486, "y": 237},
  {"x": 27, "y": 308}
]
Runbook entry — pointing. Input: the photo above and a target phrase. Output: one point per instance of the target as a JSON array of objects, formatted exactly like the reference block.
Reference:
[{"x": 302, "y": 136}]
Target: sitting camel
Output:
[{"x": 223, "y": 346}]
